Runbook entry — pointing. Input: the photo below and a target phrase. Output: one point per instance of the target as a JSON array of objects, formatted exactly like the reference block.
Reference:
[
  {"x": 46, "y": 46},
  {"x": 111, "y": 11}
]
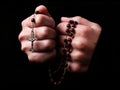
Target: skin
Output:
[
  {"x": 86, "y": 36},
  {"x": 44, "y": 47},
  {"x": 83, "y": 43}
]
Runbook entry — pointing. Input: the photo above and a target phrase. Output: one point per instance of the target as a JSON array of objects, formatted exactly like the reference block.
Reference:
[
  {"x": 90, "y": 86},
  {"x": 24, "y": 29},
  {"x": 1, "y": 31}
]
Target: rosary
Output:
[
  {"x": 57, "y": 70},
  {"x": 57, "y": 75},
  {"x": 32, "y": 38}
]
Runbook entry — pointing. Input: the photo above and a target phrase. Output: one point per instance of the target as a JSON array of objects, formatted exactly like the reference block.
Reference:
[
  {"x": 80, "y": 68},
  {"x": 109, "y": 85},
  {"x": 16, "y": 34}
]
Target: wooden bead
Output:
[{"x": 33, "y": 20}]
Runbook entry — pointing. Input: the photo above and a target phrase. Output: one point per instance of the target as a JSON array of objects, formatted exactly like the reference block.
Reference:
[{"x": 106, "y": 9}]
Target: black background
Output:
[{"x": 14, "y": 65}]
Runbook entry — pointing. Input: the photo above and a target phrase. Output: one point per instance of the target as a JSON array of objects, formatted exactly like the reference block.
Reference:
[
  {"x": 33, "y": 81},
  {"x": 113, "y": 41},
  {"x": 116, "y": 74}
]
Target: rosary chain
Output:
[{"x": 67, "y": 49}]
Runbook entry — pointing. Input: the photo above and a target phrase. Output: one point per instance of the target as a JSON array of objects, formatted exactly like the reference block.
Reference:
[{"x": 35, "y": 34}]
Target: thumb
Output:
[
  {"x": 42, "y": 10},
  {"x": 65, "y": 19}
]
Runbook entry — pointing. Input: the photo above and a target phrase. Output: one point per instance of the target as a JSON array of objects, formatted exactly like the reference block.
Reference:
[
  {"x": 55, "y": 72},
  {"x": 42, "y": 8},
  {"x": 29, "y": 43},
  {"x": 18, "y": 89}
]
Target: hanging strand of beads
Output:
[
  {"x": 57, "y": 75},
  {"x": 32, "y": 38}
]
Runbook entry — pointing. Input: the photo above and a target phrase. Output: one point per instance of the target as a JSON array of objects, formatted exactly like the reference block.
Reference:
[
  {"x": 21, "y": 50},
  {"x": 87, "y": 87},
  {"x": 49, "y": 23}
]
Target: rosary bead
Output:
[
  {"x": 71, "y": 22},
  {"x": 33, "y": 20}
]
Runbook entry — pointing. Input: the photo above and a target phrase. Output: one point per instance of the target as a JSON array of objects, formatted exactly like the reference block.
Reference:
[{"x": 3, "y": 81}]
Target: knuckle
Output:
[
  {"x": 45, "y": 45},
  {"x": 44, "y": 31},
  {"x": 23, "y": 23},
  {"x": 24, "y": 48},
  {"x": 84, "y": 31},
  {"x": 74, "y": 67},
  {"x": 40, "y": 19},
  {"x": 59, "y": 26},
  {"x": 50, "y": 44},
  {"x": 96, "y": 26},
  {"x": 82, "y": 44},
  {"x": 33, "y": 57},
  {"x": 79, "y": 56},
  {"x": 78, "y": 18},
  {"x": 39, "y": 57},
  {"x": 21, "y": 36},
  {"x": 78, "y": 67}
]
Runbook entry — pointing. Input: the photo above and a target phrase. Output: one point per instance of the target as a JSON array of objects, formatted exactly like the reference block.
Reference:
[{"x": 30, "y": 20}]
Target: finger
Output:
[
  {"x": 42, "y": 17},
  {"x": 40, "y": 33},
  {"x": 77, "y": 67},
  {"x": 79, "y": 43},
  {"x": 38, "y": 46},
  {"x": 45, "y": 33},
  {"x": 40, "y": 20},
  {"x": 79, "y": 61},
  {"x": 83, "y": 21},
  {"x": 79, "y": 19},
  {"x": 41, "y": 9},
  {"x": 44, "y": 45},
  {"x": 41, "y": 57},
  {"x": 78, "y": 56},
  {"x": 80, "y": 30},
  {"x": 44, "y": 20}
]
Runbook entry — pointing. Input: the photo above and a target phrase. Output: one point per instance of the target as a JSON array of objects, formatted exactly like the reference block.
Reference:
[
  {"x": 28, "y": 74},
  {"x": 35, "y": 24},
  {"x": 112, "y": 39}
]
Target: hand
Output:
[
  {"x": 44, "y": 46},
  {"x": 83, "y": 43}
]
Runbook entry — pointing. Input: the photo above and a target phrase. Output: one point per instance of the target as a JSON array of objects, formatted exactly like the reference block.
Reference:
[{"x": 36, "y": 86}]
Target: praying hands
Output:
[{"x": 77, "y": 39}]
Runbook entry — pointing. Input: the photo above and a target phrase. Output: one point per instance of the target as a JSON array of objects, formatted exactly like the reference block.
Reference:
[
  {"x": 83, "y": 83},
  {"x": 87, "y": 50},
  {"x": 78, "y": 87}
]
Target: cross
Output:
[{"x": 32, "y": 39}]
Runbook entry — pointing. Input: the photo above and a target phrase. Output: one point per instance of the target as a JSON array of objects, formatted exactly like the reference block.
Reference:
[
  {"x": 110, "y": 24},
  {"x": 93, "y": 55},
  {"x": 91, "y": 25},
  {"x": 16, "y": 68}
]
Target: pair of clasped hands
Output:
[{"x": 84, "y": 42}]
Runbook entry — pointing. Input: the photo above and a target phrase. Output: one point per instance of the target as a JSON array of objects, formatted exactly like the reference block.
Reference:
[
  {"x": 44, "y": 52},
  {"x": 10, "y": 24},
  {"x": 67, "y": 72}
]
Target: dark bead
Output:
[
  {"x": 67, "y": 49},
  {"x": 74, "y": 25},
  {"x": 69, "y": 45},
  {"x": 68, "y": 25},
  {"x": 70, "y": 34},
  {"x": 76, "y": 22},
  {"x": 67, "y": 31},
  {"x": 64, "y": 51},
  {"x": 65, "y": 40},
  {"x": 73, "y": 36},
  {"x": 73, "y": 30},
  {"x": 66, "y": 45},
  {"x": 70, "y": 40},
  {"x": 33, "y": 20},
  {"x": 71, "y": 22},
  {"x": 71, "y": 49},
  {"x": 37, "y": 12},
  {"x": 68, "y": 58}
]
